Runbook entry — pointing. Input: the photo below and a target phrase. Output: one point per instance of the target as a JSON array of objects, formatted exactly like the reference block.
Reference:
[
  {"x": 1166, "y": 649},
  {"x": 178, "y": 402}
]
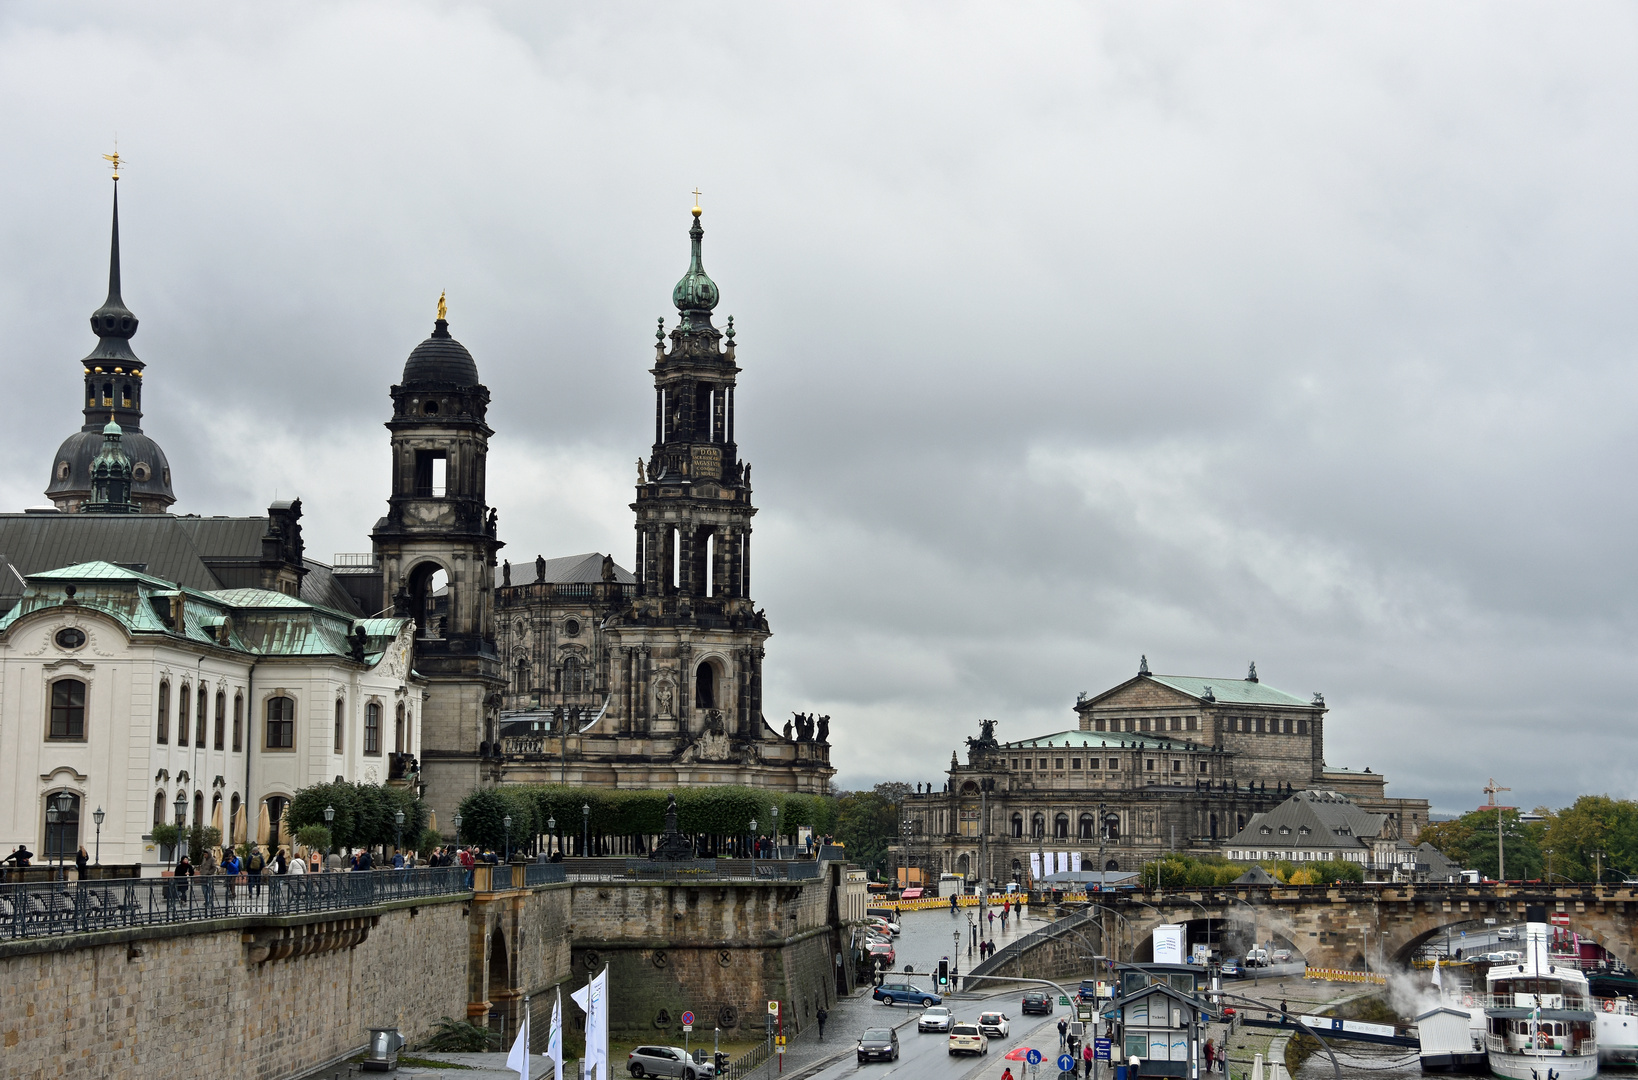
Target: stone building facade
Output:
[
  {"x": 654, "y": 678},
  {"x": 1159, "y": 763}
]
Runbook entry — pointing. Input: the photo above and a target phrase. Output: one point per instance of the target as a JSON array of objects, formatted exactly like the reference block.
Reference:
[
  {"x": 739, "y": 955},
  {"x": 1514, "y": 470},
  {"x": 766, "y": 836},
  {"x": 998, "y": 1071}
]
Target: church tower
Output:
[
  {"x": 436, "y": 552},
  {"x": 113, "y": 394},
  {"x": 700, "y": 667}
]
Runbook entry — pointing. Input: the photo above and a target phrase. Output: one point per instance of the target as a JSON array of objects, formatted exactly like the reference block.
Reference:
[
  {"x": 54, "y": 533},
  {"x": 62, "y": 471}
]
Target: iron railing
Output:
[
  {"x": 707, "y": 869},
  {"x": 58, "y": 908}
]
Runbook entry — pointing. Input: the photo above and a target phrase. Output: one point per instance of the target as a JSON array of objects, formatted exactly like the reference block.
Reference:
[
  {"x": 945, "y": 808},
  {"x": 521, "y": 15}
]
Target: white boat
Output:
[
  {"x": 1617, "y": 1030},
  {"x": 1540, "y": 1022}
]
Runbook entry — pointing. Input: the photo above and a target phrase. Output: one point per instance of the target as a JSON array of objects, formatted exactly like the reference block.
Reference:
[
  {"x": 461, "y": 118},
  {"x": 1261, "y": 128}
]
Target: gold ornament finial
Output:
[
  {"x": 696, "y": 202},
  {"x": 114, "y": 159},
  {"x": 443, "y": 308}
]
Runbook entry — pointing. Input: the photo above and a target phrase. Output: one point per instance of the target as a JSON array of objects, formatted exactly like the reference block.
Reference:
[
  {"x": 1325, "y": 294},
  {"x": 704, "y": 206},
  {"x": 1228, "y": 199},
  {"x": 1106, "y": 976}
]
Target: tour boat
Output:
[
  {"x": 1539, "y": 1018},
  {"x": 1617, "y": 1030}
]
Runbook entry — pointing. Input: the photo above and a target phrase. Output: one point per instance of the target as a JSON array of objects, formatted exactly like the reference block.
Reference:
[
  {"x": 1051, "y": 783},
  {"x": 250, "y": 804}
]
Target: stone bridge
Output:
[{"x": 1334, "y": 926}]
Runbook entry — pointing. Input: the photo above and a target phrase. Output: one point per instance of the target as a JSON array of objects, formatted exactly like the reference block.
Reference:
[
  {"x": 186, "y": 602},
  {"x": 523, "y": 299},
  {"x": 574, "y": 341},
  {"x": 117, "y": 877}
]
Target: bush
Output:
[
  {"x": 313, "y": 837},
  {"x": 459, "y": 1037},
  {"x": 364, "y": 813},
  {"x": 167, "y": 835},
  {"x": 428, "y": 840}
]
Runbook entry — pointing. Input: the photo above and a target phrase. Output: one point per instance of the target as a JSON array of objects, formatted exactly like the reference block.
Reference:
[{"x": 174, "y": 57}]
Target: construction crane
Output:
[{"x": 1492, "y": 789}]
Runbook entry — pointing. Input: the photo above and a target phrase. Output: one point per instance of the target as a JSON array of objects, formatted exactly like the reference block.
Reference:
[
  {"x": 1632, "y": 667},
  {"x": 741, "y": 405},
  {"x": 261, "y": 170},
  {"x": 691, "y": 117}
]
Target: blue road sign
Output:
[
  {"x": 1033, "y": 1057},
  {"x": 1066, "y": 1063},
  {"x": 1101, "y": 1048}
]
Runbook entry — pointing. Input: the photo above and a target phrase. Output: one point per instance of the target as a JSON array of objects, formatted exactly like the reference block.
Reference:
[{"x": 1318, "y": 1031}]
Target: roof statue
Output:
[
  {"x": 443, "y": 308},
  {"x": 1143, "y": 664},
  {"x": 1251, "y": 676},
  {"x": 641, "y": 478}
]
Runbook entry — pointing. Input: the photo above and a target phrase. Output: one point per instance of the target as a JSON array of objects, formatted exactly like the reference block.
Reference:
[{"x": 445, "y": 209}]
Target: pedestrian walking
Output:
[
  {"x": 230, "y": 867},
  {"x": 254, "y": 865},
  {"x": 298, "y": 867},
  {"x": 281, "y": 865},
  {"x": 822, "y": 1015},
  {"x": 184, "y": 876},
  {"x": 1211, "y": 1054},
  {"x": 1006, "y": 1074},
  {"x": 1089, "y": 1058},
  {"x": 81, "y": 862},
  {"x": 992, "y": 924}
]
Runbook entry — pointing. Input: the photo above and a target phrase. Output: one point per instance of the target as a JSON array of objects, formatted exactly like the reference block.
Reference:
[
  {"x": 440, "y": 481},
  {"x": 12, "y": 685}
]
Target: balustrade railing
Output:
[{"x": 35, "y": 910}]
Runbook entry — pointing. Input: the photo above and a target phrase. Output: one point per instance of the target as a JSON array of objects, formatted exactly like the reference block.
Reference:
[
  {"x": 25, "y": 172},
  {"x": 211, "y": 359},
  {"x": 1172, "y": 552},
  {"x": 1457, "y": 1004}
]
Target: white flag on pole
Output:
[
  {"x": 518, "y": 1058},
  {"x": 1075, "y": 862},
  {"x": 554, "y": 1036},
  {"x": 593, "y": 998},
  {"x": 1437, "y": 981}
]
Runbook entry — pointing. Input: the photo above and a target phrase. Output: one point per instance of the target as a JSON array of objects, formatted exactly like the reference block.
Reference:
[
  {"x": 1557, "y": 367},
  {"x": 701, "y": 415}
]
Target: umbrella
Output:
[{"x": 1016, "y": 1053}]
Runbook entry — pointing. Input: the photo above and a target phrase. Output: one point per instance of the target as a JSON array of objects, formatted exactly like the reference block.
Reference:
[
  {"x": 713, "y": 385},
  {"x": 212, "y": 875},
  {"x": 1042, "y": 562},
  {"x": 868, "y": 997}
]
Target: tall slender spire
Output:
[{"x": 113, "y": 323}]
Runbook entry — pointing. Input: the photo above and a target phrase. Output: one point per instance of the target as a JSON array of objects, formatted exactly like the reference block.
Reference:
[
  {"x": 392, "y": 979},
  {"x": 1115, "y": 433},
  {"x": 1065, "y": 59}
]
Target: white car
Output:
[
  {"x": 881, "y": 924},
  {"x": 965, "y": 1038},
  {"x": 938, "y": 1018},
  {"x": 994, "y": 1025}
]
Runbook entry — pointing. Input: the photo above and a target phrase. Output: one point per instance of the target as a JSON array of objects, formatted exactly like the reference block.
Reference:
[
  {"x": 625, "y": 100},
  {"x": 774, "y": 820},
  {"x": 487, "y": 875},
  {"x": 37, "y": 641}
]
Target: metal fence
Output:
[
  {"x": 1015, "y": 949},
  {"x": 715, "y": 870},
  {"x": 797, "y": 1043},
  {"x": 47, "y": 910}
]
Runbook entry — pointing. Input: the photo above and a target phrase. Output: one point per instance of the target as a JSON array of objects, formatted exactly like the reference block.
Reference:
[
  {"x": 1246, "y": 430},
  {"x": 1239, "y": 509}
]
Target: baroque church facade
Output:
[{"x": 422, "y": 664}]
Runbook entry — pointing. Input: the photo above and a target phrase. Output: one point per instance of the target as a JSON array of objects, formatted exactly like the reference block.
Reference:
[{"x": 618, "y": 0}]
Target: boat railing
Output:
[{"x": 1571, "y": 1002}]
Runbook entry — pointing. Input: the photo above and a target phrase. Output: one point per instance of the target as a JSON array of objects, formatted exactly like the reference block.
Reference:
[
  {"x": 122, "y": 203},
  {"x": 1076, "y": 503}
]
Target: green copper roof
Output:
[
  {"x": 257, "y": 621},
  {"x": 1231, "y": 691},
  {"x": 695, "y": 292},
  {"x": 1097, "y": 740}
]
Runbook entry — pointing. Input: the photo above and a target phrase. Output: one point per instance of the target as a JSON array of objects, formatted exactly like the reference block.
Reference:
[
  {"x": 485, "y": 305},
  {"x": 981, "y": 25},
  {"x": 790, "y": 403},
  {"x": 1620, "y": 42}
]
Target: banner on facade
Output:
[{"x": 1035, "y": 866}]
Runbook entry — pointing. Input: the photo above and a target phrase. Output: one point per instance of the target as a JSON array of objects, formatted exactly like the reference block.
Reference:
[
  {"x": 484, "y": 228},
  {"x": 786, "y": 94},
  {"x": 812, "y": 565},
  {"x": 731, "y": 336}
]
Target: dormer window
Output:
[
  {"x": 1266, "y": 831},
  {"x": 1285, "y": 830},
  {"x": 1303, "y": 830}
]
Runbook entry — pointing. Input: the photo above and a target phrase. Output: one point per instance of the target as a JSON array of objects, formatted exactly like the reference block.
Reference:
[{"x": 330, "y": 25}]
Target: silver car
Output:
[
  {"x": 938, "y": 1018},
  {"x": 667, "y": 1061}
]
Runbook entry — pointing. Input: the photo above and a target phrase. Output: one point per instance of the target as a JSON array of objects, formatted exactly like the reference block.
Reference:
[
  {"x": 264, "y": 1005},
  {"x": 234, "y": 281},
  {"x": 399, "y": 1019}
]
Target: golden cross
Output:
[
  {"x": 114, "y": 159},
  {"x": 696, "y": 196}
]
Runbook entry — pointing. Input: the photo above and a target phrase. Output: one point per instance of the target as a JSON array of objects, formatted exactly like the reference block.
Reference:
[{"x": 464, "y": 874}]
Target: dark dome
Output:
[
  {"x": 151, "y": 479},
  {"x": 441, "y": 360}
]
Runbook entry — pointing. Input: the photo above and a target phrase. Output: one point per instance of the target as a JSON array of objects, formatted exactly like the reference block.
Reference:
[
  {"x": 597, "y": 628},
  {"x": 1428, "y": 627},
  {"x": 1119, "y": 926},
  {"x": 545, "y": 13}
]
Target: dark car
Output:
[
  {"x": 1036, "y": 1002},
  {"x": 879, "y": 1043},
  {"x": 889, "y": 993}
]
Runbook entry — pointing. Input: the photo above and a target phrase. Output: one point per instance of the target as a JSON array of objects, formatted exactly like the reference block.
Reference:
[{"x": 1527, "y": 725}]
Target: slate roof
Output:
[
  {"x": 319, "y": 586},
  {"x": 569, "y": 569},
  {"x": 1332, "y": 820},
  {"x": 1232, "y": 691}
]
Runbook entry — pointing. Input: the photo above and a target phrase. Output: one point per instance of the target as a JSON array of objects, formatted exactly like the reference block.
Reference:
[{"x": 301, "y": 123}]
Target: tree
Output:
[
  {"x": 868, "y": 823},
  {"x": 1470, "y": 841}
]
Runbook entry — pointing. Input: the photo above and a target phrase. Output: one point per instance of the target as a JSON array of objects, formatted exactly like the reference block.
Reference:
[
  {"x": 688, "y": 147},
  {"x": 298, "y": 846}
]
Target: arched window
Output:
[
  {"x": 159, "y": 808},
  {"x": 1060, "y": 827},
  {"x": 1017, "y": 825},
  {"x": 521, "y": 681},
  {"x": 372, "y": 728},
  {"x": 125, "y": 395},
  {"x": 216, "y": 814},
  {"x": 1088, "y": 826},
  {"x": 1111, "y": 826},
  {"x": 221, "y": 720},
  {"x": 276, "y": 806},
  {"x": 341, "y": 723},
  {"x": 705, "y": 686},
  {"x": 204, "y": 716},
  {"x": 182, "y": 703},
  {"x": 1037, "y": 825},
  {"x": 399, "y": 735},
  {"x": 234, "y": 833},
  {"x": 199, "y": 809},
  {"x": 573, "y": 678},
  {"x": 62, "y": 837},
  {"x": 238, "y": 721},
  {"x": 67, "y": 709},
  {"x": 164, "y": 731},
  {"x": 281, "y": 723}
]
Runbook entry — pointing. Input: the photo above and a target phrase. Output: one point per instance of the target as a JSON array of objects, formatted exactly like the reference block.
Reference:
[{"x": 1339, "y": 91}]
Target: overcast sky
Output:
[{"x": 1295, "y": 333}]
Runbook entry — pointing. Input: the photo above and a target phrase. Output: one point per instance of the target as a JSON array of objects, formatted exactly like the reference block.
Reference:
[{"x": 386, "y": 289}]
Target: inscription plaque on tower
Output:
[{"x": 707, "y": 462}]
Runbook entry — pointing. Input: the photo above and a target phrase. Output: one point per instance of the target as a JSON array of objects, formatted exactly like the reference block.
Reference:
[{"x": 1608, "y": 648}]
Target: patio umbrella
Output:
[{"x": 1015, "y": 1054}]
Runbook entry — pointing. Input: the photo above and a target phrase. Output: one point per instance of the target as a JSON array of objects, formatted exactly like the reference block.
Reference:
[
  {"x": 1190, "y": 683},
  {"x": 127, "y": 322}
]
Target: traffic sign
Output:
[
  {"x": 688, "y": 1019},
  {"x": 688, "y": 1027},
  {"x": 1100, "y": 1049},
  {"x": 1066, "y": 1063},
  {"x": 773, "y": 1008},
  {"x": 1559, "y": 918},
  {"x": 1033, "y": 1057},
  {"x": 1062, "y": 1000},
  {"x": 779, "y": 1040}
]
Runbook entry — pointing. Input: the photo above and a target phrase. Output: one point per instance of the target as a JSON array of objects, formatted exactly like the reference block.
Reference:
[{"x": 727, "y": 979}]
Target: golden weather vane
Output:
[{"x": 114, "y": 159}]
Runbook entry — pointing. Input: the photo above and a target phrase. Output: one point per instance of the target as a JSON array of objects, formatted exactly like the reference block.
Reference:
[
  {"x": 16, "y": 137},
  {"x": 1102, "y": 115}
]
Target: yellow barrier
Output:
[{"x": 1331, "y": 975}]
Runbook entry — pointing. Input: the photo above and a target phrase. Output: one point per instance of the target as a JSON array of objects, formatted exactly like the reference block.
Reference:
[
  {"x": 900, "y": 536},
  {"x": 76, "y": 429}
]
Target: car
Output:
[
  {"x": 965, "y": 1038},
  {"x": 878, "y": 1043},
  {"x": 938, "y": 1018},
  {"x": 1232, "y": 969},
  {"x": 1507, "y": 933},
  {"x": 890, "y": 992},
  {"x": 1036, "y": 1001},
  {"x": 1280, "y": 956},
  {"x": 994, "y": 1024},
  {"x": 667, "y": 1061},
  {"x": 882, "y": 952},
  {"x": 882, "y": 926}
]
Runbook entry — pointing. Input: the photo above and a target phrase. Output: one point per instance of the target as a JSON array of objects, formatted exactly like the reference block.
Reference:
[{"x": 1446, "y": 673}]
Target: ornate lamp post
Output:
[
  {"x": 506, "y": 823},
  {"x": 97, "y": 816},
  {"x": 181, "y": 820},
  {"x": 398, "y": 822},
  {"x": 753, "y": 847},
  {"x": 457, "y": 824},
  {"x": 329, "y": 820},
  {"x": 551, "y": 829},
  {"x": 774, "y": 810},
  {"x": 585, "y": 830},
  {"x": 53, "y": 818}
]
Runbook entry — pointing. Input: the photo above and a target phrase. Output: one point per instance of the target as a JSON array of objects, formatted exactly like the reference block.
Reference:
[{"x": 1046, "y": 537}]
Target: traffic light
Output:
[{"x": 944, "y": 973}]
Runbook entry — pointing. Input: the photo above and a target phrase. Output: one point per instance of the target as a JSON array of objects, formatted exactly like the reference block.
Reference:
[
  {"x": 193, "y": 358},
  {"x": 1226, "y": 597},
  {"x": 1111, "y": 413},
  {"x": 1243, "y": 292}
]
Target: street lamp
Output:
[
  {"x": 585, "y": 830},
  {"x": 53, "y": 817},
  {"x": 774, "y": 828},
  {"x": 753, "y": 847},
  {"x": 398, "y": 821},
  {"x": 551, "y": 829},
  {"x": 457, "y": 823},
  {"x": 181, "y": 820},
  {"x": 329, "y": 820},
  {"x": 506, "y": 823},
  {"x": 97, "y": 816},
  {"x": 955, "y": 958}
]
